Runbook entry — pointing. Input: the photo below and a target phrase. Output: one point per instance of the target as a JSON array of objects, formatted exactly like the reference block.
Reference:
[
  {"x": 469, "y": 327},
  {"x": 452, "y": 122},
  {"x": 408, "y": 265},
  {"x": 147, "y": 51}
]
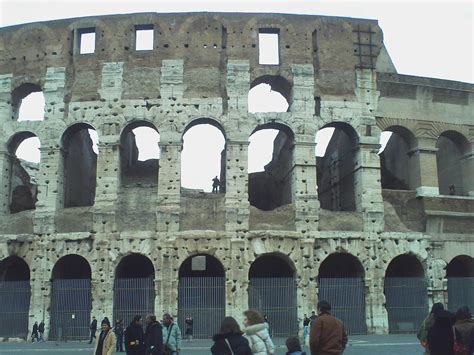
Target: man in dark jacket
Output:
[
  {"x": 93, "y": 329},
  {"x": 327, "y": 335},
  {"x": 153, "y": 336},
  {"x": 134, "y": 337},
  {"x": 118, "y": 330}
]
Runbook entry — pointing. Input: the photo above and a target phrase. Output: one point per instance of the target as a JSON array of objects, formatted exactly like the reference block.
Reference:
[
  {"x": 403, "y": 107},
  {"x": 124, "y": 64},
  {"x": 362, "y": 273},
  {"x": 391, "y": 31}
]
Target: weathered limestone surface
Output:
[{"x": 201, "y": 70}]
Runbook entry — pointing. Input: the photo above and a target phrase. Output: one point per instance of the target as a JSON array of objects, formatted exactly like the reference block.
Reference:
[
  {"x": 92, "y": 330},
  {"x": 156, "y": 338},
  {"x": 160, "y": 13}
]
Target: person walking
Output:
[
  {"x": 327, "y": 334},
  {"x": 93, "y": 329},
  {"x": 293, "y": 346},
  {"x": 153, "y": 336},
  {"x": 256, "y": 332},
  {"x": 464, "y": 325},
  {"x": 189, "y": 322},
  {"x": 134, "y": 337},
  {"x": 230, "y": 339},
  {"x": 171, "y": 336},
  {"x": 34, "y": 333},
  {"x": 427, "y": 323},
  {"x": 106, "y": 341},
  {"x": 306, "y": 322},
  {"x": 41, "y": 332},
  {"x": 118, "y": 330},
  {"x": 441, "y": 334}
]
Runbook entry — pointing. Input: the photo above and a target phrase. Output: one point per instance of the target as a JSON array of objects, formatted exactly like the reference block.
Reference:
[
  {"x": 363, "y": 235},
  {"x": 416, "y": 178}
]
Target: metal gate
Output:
[
  {"x": 133, "y": 297},
  {"x": 71, "y": 305},
  {"x": 14, "y": 308},
  {"x": 276, "y": 298},
  {"x": 406, "y": 302},
  {"x": 460, "y": 293},
  {"x": 202, "y": 298},
  {"x": 346, "y": 296}
]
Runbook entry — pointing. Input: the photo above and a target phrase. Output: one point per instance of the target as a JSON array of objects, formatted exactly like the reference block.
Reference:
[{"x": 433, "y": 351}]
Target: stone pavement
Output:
[{"x": 358, "y": 345}]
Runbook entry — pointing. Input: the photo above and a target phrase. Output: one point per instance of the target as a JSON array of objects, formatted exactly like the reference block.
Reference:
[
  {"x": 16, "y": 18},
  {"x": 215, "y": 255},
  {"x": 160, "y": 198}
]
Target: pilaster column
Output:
[
  {"x": 5, "y": 167},
  {"x": 467, "y": 164},
  {"x": 237, "y": 286},
  {"x": 426, "y": 174}
]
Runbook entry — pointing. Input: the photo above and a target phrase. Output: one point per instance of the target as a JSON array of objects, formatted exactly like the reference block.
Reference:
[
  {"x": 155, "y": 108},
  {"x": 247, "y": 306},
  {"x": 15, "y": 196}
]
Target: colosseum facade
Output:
[{"x": 381, "y": 236}]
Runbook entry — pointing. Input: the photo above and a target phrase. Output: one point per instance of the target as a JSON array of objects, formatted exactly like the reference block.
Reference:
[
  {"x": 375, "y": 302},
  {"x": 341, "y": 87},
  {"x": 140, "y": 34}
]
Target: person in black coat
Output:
[
  {"x": 441, "y": 334},
  {"x": 230, "y": 336},
  {"x": 93, "y": 329},
  {"x": 153, "y": 336},
  {"x": 134, "y": 337},
  {"x": 34, "y": 333}
]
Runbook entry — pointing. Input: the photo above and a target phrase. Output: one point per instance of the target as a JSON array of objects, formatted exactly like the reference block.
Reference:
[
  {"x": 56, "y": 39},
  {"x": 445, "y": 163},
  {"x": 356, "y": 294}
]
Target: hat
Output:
[{"x": 105, "y": 321}]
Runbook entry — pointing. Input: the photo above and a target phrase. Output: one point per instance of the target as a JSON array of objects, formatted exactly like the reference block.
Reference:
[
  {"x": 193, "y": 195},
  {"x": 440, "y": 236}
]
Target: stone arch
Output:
[
  {"x": 460, "y": 276},
  {"x": 20, "y": 92},
  {"x": 405, "y": 290},
  {"x": 273, "y": 187},
  {"x": 201, "y": 293},
  {"x": 277, "y": 83},
  {"x": 399, "y": 167},
  {"x": 341, "y": 283},
  {"x": 80, "y": 166},
  {"x": 133, "y": 170},
  {"x": 272, "y": 291},
  {"x": 453, "y": 173},
  {"x": 22, "y": 189},
  {"x": 212, "y": 156},
  {"x": 15, "y": 293},
  {"x": 335, "y": 170},
  {"x": 71, "y": 298}
]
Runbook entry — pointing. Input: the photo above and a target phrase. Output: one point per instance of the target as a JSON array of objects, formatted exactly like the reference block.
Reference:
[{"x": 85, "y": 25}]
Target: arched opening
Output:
[
  {"x": 270, "y": 181},
  {"x": 80, "y": 165},
  {"x": 336, "y": 146},
  {"x": 134, "y": 290},
  {"x": 405, "y": 292},
  {"x": 24, "y": 154},
  {"x": 397, "y": 163},
  {"x": 341, "y": 283},
  {"x": 269, "y": 93},
  {"x": 201, "y": 294},
  {"x": 453, "y": 173},
  {"x": 203, "y": 157},
  {"x": 139, "y": 154},
  {"x": 272, "y": 291},
  {"x": 15, "y": 294},
  {"x": 28, "y": 103},
  {"x": 460, "y": 275},
  {"x": 71, "y": 299}
]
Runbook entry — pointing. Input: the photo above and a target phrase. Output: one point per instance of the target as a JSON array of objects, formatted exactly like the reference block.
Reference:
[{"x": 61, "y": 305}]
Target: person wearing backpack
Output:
[{"x": 230, "y": 340}]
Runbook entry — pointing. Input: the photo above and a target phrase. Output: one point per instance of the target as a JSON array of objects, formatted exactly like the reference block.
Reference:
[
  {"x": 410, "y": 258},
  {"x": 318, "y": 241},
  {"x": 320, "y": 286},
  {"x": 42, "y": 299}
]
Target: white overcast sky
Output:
[{"x": 424, "y": 38}]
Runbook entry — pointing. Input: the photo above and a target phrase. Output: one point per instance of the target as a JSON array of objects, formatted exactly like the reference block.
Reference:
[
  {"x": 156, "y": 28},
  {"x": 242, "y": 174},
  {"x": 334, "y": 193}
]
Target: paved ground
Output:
[{"x": 358, "y": 345}]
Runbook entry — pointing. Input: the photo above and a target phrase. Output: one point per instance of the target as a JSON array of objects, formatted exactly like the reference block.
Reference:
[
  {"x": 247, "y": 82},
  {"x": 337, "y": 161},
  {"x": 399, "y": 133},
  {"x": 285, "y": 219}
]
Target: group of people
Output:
[
  {"x": 37, "y": 333},
  {"x": 444, "y": 333}
]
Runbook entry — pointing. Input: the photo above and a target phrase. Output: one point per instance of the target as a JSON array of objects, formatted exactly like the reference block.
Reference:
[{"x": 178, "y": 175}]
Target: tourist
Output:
[
  {"x": 293, "y": 346},
  {"x": 464, "y": 325},
  {"x": 441, "y": 334},
  {"x": 189, "y": 322},
  {"x": 106, "y": 341},
  {"x": 313, "y": 317},
  {"x": 306, "y": 322},
  {"x": 427, "y": 323},
  {"x": 34, "y": 333},
  {"x": 93, "y": 329},
  {"x": 230, "y": 339},
  {"x": 327, "y": 334},
  {"x": 171, "y": 335},
  {"x": 153, "y": 336},
  {"x": 118, "y": 330},
  {"x": 41, "y": 332},
  {"x": 134, "y": 337},
  {"x": 256, "y": 331},
  {"x": 215, "y": 185}
]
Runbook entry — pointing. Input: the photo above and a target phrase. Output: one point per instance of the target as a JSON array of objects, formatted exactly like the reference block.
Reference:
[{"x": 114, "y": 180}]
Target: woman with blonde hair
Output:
[{"x": 256, "y": 331}]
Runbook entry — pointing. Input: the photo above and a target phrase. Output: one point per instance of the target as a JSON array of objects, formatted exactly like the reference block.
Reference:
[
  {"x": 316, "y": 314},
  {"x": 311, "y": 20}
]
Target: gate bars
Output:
[{"x": 14, "y": 308}]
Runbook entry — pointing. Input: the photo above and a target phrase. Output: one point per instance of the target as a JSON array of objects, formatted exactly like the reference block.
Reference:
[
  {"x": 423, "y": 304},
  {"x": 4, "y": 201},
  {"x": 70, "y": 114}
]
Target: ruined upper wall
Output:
[{"x": 204, "y": 40}]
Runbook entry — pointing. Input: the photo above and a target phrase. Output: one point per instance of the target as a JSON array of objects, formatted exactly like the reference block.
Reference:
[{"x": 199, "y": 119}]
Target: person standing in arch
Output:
[
  {"x": 216, "y": 185},
  {"x": 93, "y": 329},
  {"x": 189, "y": 328}
]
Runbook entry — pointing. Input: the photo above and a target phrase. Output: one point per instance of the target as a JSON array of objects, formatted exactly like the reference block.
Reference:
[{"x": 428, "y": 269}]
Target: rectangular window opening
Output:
[
  {"x": 268, "y": 47},
  {"x": 86, "y": 40},
  {"x": 144, "y": 37}
]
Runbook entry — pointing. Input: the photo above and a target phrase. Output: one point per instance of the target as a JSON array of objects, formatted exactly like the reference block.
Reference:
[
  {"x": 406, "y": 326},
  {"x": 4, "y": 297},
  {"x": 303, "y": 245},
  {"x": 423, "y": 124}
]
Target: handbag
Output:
[
  {"x": 458, "y": 346},
  {"x": 166, "y": 349},
  {"x": 230, "y": 348}
]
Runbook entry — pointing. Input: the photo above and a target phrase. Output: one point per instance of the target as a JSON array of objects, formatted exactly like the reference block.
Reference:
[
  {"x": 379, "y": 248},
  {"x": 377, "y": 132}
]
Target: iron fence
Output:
[
  {"x": 276, "y": 298},
  {"x": 71, "y": 305},
  {"x": 406, "y": 302},
  {"x": 460, "y": 293},
  {"x": 133, "y": 297},
  {"x": 14, "y": 308},
  {"x": 346, "y": 296},
  {"x": 203, "y": 298}
]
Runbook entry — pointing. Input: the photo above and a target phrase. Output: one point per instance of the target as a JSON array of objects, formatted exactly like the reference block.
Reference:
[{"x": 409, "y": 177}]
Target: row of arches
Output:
[
  {"x": 270, "y": 168},
  {"x": 272, "y": 289}
]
